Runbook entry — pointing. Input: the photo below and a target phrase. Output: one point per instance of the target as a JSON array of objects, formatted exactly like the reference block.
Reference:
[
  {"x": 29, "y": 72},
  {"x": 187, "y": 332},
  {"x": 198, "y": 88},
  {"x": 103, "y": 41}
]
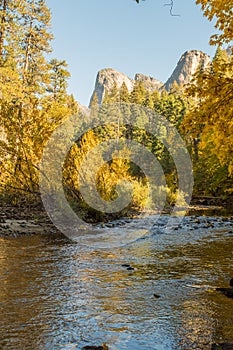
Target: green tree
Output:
[
  {"x": 149, "y": 101},
  {"x": 138, "y": 94},
  {"x": 172, "y": 106},
  {"x": 94, "y": 101},
  {"x": 124, "y": 93},
  {"x": 58, "y": 79}
]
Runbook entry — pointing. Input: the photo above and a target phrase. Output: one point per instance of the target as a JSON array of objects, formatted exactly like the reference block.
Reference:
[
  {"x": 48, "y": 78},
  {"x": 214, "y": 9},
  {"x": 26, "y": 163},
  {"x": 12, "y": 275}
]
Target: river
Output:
[{"x": 57, "y": 294}]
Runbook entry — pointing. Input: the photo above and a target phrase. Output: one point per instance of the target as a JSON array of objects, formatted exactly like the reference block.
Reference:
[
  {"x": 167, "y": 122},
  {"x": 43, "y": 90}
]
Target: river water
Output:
[{"x": 57, "y": 294}]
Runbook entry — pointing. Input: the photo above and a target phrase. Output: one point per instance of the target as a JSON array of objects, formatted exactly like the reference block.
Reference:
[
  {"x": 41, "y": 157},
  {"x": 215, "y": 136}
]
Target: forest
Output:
[{"x": 34, "y": 101}]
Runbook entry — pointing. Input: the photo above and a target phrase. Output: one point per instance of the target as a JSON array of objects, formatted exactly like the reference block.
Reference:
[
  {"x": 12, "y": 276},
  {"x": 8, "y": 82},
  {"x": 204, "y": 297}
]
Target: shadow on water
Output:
[
  {"x": 226, "y": 211},
  {"x": 61, "y": 295}
]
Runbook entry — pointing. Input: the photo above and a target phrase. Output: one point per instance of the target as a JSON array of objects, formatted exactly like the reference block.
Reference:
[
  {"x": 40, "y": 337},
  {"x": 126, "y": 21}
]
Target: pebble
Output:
[
  {"x": 95, "y": 347},
  {"x": 156, "y": 296},
  {"x": 130, "y": 268}
]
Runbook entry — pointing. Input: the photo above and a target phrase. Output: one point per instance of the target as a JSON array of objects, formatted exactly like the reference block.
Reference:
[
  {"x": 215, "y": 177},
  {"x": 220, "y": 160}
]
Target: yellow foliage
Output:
[{"x": 222, "y": 11}]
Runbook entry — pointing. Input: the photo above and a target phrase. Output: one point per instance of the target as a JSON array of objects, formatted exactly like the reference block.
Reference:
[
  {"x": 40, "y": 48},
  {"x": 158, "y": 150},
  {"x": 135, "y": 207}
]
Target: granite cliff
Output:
[
  {"x": 150, "y": 83},
  {"x": 105, "y": 80},
  {"x": 186, "y": 67}
]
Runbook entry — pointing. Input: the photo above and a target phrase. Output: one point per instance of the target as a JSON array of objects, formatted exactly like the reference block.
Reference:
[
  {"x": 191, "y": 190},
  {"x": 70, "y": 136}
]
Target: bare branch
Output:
[{"x": 171, "y": 5}]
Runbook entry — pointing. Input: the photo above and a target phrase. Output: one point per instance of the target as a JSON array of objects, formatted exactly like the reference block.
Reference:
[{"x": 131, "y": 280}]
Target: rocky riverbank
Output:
[{"x": 29, "y": 220}]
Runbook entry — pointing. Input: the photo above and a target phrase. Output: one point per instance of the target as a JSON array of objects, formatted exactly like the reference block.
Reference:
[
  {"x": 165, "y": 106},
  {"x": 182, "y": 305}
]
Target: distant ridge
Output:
[{"x": 186, "y": 67}]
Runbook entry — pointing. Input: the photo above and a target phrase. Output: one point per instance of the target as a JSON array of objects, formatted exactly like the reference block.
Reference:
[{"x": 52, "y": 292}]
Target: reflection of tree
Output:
[
  {"x": 51, "y": 293},
  {"x": 205, "y": 317},
  {"x": 23, "y": 297},
  {"x": 183, "y": 275},
  {"x": 198, "y": 323}
]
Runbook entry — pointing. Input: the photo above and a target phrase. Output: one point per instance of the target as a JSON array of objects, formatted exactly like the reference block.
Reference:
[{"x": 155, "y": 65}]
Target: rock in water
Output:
[
  {"x": 125, "y": 265},
  {"x": 156, "y": 296},
  {"x": 130, "y": 268},
  {"x": 228, "y": 292},
  {"x": 94, "y": 347}
]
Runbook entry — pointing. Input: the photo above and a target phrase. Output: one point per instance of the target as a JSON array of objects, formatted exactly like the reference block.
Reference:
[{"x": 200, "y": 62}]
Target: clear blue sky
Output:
[{"x": 129, "y": 37}]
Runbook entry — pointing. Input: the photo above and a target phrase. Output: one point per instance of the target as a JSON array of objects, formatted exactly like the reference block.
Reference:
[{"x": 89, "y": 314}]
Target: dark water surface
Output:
[{"x": 55, "y": 294}]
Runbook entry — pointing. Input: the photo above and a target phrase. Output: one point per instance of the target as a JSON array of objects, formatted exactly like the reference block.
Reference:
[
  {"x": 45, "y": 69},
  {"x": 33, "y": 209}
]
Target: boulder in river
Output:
[
  {"x": 95, "y": 347},
  {"x": 227, "y": 291}
]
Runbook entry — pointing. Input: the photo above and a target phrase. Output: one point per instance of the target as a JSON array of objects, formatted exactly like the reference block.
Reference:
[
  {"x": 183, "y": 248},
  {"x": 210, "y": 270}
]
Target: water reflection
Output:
[{"x": 59, "y": 295}]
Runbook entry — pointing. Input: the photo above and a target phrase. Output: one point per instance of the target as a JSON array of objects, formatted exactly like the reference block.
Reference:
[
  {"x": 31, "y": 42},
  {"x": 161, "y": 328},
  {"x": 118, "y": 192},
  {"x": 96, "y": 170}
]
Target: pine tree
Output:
[
  {"x": 58, "y": 79},
  {"x": 113, "y": 93},
  {"x": 138, "y": 94},
  {"x": 94, "y": 101},
  {"x": 149, "y": 101},
  {"x": 124, "y": 93},
  {"x": 221, "y": 58}
]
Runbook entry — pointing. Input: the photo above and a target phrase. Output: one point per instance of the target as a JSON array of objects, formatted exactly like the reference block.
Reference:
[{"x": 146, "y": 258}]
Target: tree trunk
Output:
[
  {"x": 27, "y": 53},
  {"x": 2, "y": 29},
  {"x": 195, "y": 144}
]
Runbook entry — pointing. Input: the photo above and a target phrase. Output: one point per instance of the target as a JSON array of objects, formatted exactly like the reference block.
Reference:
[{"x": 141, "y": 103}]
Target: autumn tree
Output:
[
  {"x": 211, "y": 118},
  {"x": 28, "y": 84},
  {"x": 222, "y": 12}
]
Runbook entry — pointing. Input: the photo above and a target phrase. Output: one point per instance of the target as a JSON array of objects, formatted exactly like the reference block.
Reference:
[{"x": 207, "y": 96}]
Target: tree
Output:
[
  {"x": 222, "y": 11},
  {"x": 149, "y": 101},
  {"x": 138, "y": 94},
  {"x": 3, "y": 21},
  {"x": 31, "y": 42},
  {"x": 172, "y": 106},
  {"x": 124, "y": 93},
  {"x": 210, "y": 120},
  {"x": 58, "y": 79},
  {"x": 33, "y": 100},
  {"x": 94, "y": 101}
]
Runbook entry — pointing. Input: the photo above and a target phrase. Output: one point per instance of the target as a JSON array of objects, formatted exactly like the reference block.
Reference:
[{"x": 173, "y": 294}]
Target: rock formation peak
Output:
[
  {"x": 105, "y": 81},
  {"x": 187, "y": 66}
]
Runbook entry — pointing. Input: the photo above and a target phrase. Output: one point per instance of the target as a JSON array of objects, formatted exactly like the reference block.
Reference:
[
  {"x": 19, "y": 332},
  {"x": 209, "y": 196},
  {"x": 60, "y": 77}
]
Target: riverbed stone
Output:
[{"x": 95, "y": 347}]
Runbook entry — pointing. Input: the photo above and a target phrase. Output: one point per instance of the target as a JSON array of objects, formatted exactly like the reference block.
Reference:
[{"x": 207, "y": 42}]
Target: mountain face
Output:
[
  {"x": 105, "y": 81},
  {"x": 151, "y": 84},
  {"x": 187, "y": 66}
]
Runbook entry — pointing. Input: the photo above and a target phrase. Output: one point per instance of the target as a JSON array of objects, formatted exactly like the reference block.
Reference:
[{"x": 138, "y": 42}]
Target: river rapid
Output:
[{"x": 59, "y": 294}]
